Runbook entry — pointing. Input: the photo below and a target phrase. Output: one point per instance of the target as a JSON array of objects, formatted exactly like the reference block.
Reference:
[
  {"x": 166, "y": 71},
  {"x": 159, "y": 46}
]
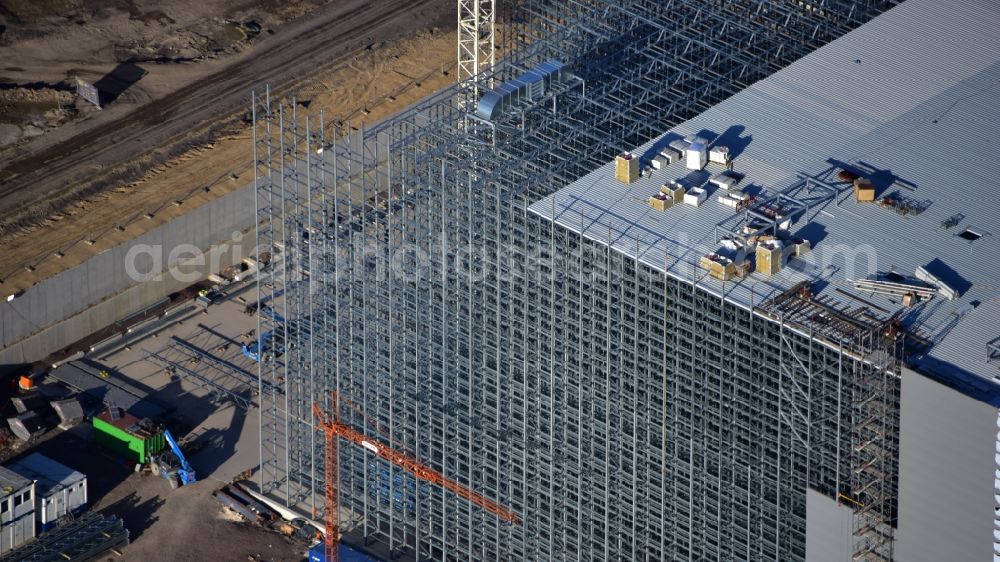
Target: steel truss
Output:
[
  {"x": 407, "y": 275},
  {"x": 476, "y": 40}
]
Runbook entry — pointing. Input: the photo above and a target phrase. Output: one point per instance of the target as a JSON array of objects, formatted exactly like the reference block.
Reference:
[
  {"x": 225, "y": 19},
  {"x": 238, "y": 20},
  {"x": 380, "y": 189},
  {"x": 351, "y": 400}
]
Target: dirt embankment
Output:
[
  {"x": 46, "y": 45},
  {"x": 365, "y": 87},
  {"x": 176, "y": 136}
]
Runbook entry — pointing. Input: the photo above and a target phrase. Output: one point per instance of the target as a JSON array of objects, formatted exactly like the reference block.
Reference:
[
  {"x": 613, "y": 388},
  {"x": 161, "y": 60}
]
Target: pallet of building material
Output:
[
  {"x": 95, "y": 370},
  {"x": 238, "y": 492},
  {"x": 30, "y": 402},
  {"x": 226, "y": 498},
  {"x": 70, "y": 411},
  {"x": 90, "y": 381},
  {"x": 81, "y": 540},
  {"x": 27, "y": 426},
  {"x": 891, "y": 288}
]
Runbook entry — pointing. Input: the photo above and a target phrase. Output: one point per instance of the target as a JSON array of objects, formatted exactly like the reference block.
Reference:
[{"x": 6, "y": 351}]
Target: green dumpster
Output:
[{"x": 128, "y": 436}]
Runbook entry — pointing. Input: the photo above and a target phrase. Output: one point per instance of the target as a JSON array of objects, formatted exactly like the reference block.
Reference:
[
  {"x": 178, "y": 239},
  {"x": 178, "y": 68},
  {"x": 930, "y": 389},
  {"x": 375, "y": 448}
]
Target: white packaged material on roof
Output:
[
  {"x": 671, "y": 155},
  {"x": 719, "y": 154},
  {"x": 697, "y": 156},
  {"x": 695, "y": 196},
  {"x": 680, "y": 145}
]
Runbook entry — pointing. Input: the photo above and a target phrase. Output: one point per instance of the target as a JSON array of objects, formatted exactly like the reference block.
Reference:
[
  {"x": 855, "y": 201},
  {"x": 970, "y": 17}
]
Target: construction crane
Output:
[
  {"x": 334, "y": 428},
  {"x": 476, "y": 40}
]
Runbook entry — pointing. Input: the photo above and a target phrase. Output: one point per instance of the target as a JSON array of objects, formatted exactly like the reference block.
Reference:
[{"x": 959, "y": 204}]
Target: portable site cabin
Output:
[
  {"x": 127, "y": 435},
  {"x": 59, "y": 488},
  {"x": 17, "y": 510}
]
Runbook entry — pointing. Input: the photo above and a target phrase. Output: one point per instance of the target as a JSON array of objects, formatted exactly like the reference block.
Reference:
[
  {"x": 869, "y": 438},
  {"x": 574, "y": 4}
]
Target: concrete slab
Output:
[{"x": 226, "y": 438}]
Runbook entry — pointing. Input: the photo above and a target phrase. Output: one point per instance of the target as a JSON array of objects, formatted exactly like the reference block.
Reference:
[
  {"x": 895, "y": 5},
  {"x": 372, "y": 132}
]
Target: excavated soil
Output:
[{"x": 367, "y": 84}]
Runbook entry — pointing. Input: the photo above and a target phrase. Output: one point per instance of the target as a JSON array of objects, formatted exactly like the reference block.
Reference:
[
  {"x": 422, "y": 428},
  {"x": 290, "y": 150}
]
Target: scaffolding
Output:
[
  {"x": 874, "y": 347},
  {"x": 407, "y": 275}
]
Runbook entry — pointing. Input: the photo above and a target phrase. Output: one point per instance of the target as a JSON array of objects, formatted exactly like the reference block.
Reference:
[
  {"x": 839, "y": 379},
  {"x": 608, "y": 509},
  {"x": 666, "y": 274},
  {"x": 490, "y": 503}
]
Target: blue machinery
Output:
[
  {"x": 177, "y": 470},
  {"x": 256, "y": 349}
]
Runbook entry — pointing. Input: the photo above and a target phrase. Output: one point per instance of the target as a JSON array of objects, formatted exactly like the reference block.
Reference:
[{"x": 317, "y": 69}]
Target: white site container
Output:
[
  {"x": 17, "y": 510},
  {"x": 58, "y": 488},
  {"x": 697, "y": 156},
  {"x": 671, "y": 155},
  {"x": 659, "y": 163}
]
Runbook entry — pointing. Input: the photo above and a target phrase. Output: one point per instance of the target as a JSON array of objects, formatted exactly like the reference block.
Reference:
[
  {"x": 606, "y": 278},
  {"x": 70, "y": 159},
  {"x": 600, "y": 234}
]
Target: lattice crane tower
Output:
[{"x": 476, "y": 40}]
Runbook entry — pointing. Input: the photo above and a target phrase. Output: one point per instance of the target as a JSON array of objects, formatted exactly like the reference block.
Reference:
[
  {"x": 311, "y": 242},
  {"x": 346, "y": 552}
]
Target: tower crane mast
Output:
[{"x": 476, "y": 40}]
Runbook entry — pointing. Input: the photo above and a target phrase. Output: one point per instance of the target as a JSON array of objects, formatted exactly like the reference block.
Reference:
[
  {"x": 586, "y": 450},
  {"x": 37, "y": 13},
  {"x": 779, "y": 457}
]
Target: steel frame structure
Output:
[
  {"x": 476, "y": 41},
  {"x": 217, "y": 381},
  {"x": 630, "y": 416}
]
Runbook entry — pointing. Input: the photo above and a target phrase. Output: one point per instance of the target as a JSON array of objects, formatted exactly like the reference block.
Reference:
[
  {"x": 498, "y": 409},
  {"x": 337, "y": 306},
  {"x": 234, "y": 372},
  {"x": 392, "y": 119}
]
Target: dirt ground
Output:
[
  {"x": 383, "y": 81},
  {"x": 186, "y": 524},
  {"x": 46, "y": 44},
  {"x": 367, "y": 85},
  {"x": 165, "y": 525}
]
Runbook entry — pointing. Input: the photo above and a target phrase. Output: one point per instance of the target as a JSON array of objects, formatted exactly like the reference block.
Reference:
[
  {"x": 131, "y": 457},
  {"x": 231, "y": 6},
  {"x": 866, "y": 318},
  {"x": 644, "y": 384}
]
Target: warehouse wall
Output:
[
  {"x": 946, "y": 473},
  {"x": 103, "y": 290},
  {"x": 829, "y": 529}
]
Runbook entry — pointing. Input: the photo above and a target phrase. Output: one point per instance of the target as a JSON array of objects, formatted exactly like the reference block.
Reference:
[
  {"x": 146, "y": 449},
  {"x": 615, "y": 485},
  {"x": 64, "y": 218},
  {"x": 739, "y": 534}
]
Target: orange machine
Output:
[{"x": 335, "y": 429}]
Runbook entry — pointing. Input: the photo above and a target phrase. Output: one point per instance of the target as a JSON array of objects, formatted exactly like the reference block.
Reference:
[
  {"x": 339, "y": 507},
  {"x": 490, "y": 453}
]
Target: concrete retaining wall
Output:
[{"x": 105, "y": 289}]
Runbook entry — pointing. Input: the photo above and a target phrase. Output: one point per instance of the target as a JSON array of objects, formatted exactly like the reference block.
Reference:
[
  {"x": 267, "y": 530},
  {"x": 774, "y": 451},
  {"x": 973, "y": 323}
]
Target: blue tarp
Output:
[{"x": 347, "y": 554}]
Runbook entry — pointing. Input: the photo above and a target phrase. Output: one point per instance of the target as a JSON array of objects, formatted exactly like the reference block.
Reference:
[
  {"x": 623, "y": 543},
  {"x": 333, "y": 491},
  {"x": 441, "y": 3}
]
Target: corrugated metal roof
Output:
[
  {"x": 12, "y": 480},
  {"x": 49, "y": 475},
  {"x": 915, "y": 93},
  {"x": 86, "y": 378}
]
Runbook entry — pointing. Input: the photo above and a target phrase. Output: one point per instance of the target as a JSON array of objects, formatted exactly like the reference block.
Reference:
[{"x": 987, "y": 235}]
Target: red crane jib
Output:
[{"x": 334, "y": 429}]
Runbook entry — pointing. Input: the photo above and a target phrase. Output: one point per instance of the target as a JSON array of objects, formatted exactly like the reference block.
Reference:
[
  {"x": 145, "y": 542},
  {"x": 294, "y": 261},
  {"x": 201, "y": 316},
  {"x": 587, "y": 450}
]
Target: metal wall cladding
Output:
[
  {"x": 105, "y": 274},
  {"x": 946, "y": 484}
]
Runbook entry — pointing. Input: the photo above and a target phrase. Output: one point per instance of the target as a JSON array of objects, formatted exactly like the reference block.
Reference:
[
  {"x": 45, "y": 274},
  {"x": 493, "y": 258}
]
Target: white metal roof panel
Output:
[
  {"x": 50, "y": 476},
  {"x": 915, "y": 93}
]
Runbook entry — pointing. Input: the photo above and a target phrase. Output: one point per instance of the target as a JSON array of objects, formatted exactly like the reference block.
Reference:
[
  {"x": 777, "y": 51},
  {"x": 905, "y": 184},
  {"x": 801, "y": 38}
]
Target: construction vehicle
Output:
[
  {"x": 334, "y": 430},
  {"x": 174, "y": 466},
  {"x": 266, "y": 343},
  {"x": 260, "y": 347}
]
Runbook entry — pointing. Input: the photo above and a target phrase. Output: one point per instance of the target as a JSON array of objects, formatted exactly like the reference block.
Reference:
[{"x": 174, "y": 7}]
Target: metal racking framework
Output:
[{"x": 622, "y": 414}]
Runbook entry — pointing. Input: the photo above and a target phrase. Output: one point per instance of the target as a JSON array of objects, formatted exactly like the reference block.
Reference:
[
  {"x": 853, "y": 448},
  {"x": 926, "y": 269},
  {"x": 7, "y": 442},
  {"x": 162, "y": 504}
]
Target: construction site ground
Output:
[
  {"x": 187, "y": 523},
  {"x": 82, "y": 206}
]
